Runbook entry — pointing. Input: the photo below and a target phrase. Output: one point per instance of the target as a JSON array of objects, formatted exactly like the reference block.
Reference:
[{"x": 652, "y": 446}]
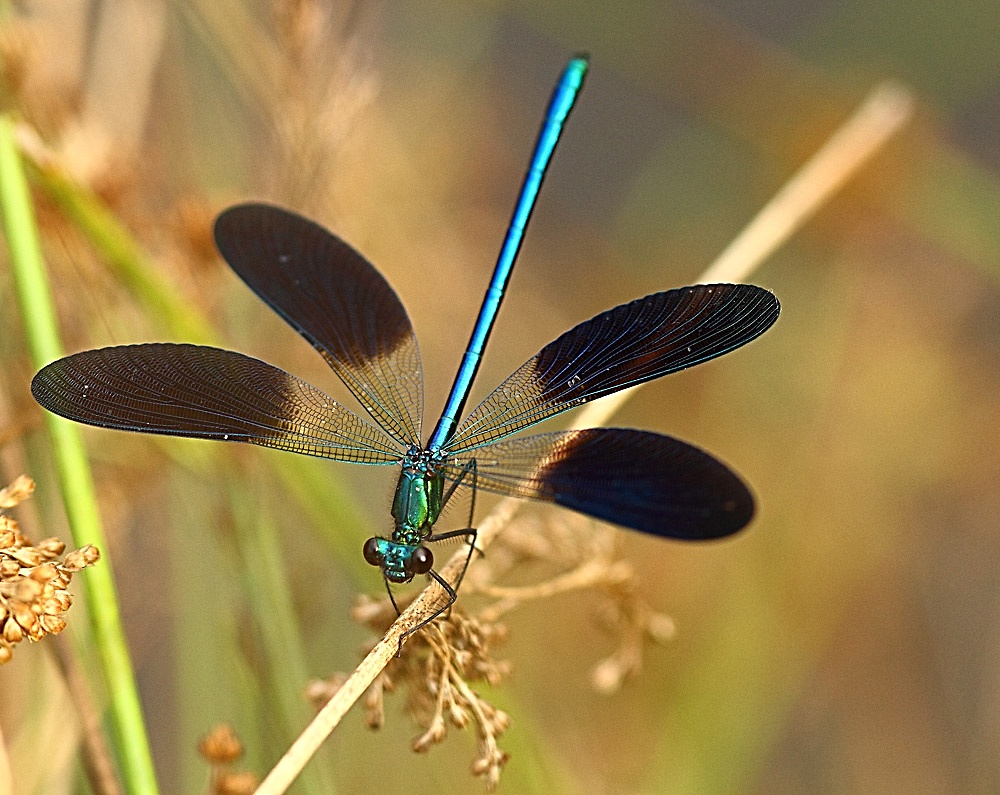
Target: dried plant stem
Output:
[
  {"x": 884, "y": 111},
  {"x": 98, "y": 762},
  {"x": 886, "y": 108}
]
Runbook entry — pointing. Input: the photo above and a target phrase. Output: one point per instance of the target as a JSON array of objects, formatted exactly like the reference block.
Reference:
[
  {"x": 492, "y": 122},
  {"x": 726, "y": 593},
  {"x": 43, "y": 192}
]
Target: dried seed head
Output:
[
  {"x": 501, "y": 721},
  {"x": 661, "y": 628},
  {"x": 33, "y": 579},
  {"x": 23, "y": 614},
  {"x": 44, "y": 573},
  {"x": 17, "y": 492},
  {"x": 12, "y": 632},
  {"x": 458, "y": 714},
  {"x": 51, "y": 547},
  {"x": 489, "y": 765},
  {"x": 80, "y": 558},
  {"x": 436, "y": 669},
  {"x": 439, "y": 665},
  {"x": 53, "y": 625},
  {"x": 26, "y": 556},
  {"x": 221, "y": 745},
  {"x": 236, "y": 784},
  {"x": 27, "y": 589},
  {"x": 435, "y": 733},
  {"x": 9, "y": 569},
  {"x": 63, "y": 602},
  {"x": 607, "y": 676},
  {"x": 480, "y": 765}
]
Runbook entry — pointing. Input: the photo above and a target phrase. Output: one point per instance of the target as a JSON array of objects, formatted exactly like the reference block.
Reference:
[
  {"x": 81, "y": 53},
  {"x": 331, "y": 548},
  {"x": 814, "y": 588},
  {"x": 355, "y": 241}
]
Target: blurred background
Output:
[{"x": 848, "y": 641}]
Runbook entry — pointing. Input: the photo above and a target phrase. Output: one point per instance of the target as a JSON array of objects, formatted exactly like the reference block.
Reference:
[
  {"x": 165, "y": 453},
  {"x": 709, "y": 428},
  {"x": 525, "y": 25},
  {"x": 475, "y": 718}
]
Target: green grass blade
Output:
[{"x": 34, "y": 297}]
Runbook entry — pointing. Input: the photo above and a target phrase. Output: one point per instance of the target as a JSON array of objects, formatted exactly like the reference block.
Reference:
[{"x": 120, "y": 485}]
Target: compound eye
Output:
[
  {"x": 421, "y": 561},
  {"x": 372, "y": 553}
]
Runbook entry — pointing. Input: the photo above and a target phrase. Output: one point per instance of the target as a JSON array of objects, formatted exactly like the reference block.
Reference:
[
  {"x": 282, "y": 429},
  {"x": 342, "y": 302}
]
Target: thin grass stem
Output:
[{"x": 41, "y": 330}]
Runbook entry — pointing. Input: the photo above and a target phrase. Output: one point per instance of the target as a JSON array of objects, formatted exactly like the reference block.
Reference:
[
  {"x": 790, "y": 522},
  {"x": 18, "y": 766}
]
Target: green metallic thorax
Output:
[{"x": 417, "y": 502}]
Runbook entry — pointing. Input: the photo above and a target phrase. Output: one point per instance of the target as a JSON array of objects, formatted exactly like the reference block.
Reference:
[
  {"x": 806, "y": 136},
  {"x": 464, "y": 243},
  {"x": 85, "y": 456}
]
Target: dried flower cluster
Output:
[
  {"x": 34, "y": 578},
  {"x": 221, "y": 747},
  {"x": 585, "y": 556},
  {"x": 439, "y": 665},
  {"x": 436, "y": 668}
]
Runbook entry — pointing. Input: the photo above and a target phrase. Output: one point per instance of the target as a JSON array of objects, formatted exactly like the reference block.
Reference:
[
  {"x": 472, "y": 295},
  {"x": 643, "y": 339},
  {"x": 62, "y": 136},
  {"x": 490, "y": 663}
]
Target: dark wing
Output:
[
  {"x": 207, "y": 393},
  {"x": 338, "y": 301},
  {"x": 636, "y": 479},
  {"x": 628, "y": 345}
]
